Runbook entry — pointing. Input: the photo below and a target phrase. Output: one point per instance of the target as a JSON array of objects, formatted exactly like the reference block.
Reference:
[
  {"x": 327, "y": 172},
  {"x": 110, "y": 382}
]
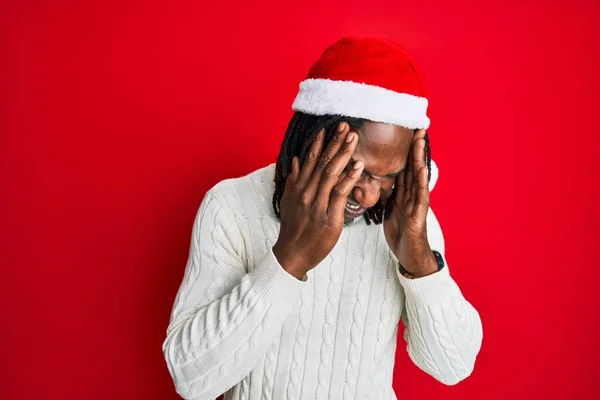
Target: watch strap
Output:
[{"x": 438, "y": 258}]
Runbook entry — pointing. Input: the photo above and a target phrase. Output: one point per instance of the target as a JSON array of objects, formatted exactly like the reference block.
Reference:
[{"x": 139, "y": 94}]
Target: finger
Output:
[
  {"x": 333, "y": 170},
  {"x": 420, "y": 134},
  {"x": 419, "y": 149},
  {"x": 421, "y": 206},
  {"x": 292, "y": 176},
  {"x": 408, "y": 179},
  {"x": 400, "y": 188},
  {"x": 337, "y": 142},
  {"x": 418, "y": 163},
  {"x": 416, "y": 160},
  {"x": 310, "y": 160},
  {"x": 341, "y": 191},
  {"x": 413, "y": 194}
]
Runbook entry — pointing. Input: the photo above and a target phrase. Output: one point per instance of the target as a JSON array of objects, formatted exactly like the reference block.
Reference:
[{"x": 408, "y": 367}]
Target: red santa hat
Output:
[{"x": 365, "y": 77}]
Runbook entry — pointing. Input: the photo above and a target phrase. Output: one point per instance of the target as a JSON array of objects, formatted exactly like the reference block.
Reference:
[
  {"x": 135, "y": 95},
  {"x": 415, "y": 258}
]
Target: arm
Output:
[
  {"x": 442, "y": 330},
  {"x": 224, "y": 319}
]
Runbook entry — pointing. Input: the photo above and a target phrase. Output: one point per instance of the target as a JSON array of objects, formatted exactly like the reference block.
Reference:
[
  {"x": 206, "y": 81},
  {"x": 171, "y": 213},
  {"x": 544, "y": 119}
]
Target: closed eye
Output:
[{"x": 393, "y": 175}]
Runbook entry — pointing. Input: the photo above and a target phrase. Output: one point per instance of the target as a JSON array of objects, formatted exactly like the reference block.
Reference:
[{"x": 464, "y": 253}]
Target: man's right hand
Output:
[{"x": 314, "y": 200}]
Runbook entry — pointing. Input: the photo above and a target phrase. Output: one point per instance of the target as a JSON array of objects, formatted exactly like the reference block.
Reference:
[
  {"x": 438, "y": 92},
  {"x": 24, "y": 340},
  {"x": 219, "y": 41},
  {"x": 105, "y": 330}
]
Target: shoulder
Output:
[
  {"x": 435, "y": 173},
  {"x": 248, "y": 194},
  {"x": 434, "y": 230}
]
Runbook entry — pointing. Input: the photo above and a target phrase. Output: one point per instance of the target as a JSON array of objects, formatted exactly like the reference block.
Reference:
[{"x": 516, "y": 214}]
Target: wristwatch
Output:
[{"x": 438, "y": 258}]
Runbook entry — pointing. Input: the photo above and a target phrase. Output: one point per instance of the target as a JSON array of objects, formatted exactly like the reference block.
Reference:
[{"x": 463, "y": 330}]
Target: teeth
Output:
[{"x": 352, "y": 206}]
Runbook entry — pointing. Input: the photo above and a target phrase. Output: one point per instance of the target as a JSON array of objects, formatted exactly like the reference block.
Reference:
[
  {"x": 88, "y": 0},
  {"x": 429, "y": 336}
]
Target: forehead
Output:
[{"x": 383, "y": 147}]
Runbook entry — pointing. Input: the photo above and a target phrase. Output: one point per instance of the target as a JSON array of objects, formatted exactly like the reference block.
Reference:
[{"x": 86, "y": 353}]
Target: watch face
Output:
[{"x": 439, "y": 259}]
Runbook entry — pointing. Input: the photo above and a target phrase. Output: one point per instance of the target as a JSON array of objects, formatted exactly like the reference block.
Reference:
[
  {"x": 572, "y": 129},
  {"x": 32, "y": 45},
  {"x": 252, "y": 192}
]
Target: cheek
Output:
[
  {"x": 385, "y": 197},
  {"x": 388, "y": 184},
  {"x": 386, "y": 188}
]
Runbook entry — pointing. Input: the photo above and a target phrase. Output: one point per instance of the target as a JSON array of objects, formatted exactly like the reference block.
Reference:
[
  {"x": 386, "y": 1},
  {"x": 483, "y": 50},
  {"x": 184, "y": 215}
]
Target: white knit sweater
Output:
[{"x": 242, "y": 325}]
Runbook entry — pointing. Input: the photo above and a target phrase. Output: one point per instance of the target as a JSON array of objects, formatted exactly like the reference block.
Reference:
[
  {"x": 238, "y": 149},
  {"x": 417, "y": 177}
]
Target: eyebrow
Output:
[{"x": 392, "y": 175}]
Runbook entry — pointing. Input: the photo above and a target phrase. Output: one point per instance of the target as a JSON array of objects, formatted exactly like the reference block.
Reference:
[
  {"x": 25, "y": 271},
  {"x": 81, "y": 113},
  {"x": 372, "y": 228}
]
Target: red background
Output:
[{"x": 116, "y": 117}]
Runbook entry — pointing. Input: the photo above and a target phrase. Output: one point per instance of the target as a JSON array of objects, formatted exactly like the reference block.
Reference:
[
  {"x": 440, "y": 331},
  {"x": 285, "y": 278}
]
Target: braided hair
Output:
[{"x": 301, "y": 132}]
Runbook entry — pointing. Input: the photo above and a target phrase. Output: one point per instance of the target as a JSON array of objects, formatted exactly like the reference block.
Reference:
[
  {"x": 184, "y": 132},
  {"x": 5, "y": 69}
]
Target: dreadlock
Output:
[{"x": 301, "y": 132}]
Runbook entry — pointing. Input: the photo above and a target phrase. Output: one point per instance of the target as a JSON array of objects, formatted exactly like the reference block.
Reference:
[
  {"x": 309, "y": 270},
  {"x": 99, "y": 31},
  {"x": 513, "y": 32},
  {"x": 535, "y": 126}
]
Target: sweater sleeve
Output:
[
  {"x": 442, "y": 329},
  {"x": 224, "y": 318}
]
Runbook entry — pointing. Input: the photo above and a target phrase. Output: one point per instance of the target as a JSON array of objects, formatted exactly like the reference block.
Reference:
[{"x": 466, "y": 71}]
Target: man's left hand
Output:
[{"x": 406, "y": 227}]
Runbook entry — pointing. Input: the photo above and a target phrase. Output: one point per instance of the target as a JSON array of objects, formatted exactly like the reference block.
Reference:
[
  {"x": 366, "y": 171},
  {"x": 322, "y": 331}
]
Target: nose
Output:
[{"x": 367, "y": 192}]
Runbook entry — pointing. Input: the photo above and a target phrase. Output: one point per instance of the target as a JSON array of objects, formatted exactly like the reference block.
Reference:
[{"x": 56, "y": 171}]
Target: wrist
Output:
[
  {"x": 290, "y": 263},
  {"x": 428, "y": 265}
]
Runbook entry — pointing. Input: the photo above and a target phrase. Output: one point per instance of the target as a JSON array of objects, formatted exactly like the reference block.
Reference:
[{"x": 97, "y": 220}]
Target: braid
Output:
[
  {"x": 300, "y": 134},
  {"x": 428, "y": 156}
]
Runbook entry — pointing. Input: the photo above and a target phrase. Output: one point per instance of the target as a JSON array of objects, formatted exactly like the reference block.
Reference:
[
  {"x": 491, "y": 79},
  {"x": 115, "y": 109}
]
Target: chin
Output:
[{"x": 350, "y": 218}]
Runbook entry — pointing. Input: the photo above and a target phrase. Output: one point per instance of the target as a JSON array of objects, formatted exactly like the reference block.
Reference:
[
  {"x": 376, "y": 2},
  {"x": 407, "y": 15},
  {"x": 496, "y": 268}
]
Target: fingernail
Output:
[
  {"x": 350, "y": 137},
  {"x": 357, "y": 165},
  {"x": 341, "y": 127}
]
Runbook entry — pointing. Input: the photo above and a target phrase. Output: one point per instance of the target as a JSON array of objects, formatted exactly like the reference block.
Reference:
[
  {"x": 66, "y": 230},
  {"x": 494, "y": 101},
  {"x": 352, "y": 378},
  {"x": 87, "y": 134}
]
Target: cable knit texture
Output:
[{"x": 244, "y": 327}]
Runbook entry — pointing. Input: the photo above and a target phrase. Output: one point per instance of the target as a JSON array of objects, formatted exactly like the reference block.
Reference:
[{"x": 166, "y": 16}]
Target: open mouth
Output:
[{"x": 354, "y": 210}]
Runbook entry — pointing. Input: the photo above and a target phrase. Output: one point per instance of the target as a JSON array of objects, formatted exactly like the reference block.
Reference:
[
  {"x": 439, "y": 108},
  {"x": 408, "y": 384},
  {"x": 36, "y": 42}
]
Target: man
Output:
[{"x": 299, "y": 273}]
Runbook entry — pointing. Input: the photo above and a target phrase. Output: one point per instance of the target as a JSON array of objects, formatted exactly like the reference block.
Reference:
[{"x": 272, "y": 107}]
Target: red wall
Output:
[{"x": 116, "y": 117}]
